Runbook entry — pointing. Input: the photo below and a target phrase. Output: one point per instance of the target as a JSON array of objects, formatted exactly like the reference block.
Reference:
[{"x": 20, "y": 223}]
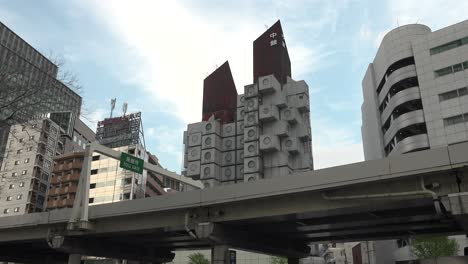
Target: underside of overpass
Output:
[{"x": 421, "y": 193}]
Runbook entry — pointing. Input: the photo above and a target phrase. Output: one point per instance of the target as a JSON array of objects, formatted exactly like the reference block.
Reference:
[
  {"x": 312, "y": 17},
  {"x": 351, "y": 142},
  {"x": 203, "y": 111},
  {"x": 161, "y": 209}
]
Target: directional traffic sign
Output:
[{"x": 131, "y": 163}]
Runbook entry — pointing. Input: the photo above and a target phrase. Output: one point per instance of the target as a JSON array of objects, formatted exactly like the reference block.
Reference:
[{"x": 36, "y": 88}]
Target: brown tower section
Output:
[
  {"x": 219, "y": 95},
  {"x": 270, "y": 55}
]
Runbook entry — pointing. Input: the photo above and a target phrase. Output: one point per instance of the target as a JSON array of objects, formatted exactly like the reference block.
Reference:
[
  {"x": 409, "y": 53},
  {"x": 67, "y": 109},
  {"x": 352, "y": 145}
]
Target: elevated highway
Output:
[{"x": 418, "y": 193}]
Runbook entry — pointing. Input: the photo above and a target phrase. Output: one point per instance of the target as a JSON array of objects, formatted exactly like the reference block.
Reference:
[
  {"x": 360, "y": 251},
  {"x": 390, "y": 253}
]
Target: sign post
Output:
[{"x": 131, "y": 163}]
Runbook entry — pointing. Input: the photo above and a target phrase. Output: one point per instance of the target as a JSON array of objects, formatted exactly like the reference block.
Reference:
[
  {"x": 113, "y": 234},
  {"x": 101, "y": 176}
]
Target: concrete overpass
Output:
[{"x": 418, "y": 193}]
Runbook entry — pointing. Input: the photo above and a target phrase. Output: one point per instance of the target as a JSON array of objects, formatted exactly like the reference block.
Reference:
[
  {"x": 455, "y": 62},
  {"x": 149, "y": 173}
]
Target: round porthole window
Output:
[
  {"x": 251, "y": 133},
  {"x": 266, "y": 81},
  {"x": 208, "y": 141},
  {"x": 251, "y": 148},
  {"x": 208, "y": 127},
  {"x": 207, "y": 156},
  {"x": 251, "y": 164},
  {"x": 267, "y": 141},
  {"x": 207, "y": 171},
  {"x": 194, "y": 152},
  {"x": 288, "y": 143},
  {"x": 228, "y": 172}
]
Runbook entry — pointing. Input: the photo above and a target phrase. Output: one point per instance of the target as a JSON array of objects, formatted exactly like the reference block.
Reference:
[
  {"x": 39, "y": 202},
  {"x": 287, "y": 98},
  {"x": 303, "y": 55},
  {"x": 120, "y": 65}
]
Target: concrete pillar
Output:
[
  {"x": 74, "y": 259},
  {"x": 220, "y": 255},
  {"x": 293, "y": 261}
]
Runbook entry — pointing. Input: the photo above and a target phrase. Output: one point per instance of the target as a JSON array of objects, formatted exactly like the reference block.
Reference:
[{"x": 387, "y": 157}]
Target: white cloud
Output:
[
  {"x": 92, "y": 117},
  {"x": 334, "y": 144},
  {"x": 176, "y": 47},
  {"x": 433, "y": 13},
  {"x": 168, "y": 142},
  {"x": 173, "y": 48}
]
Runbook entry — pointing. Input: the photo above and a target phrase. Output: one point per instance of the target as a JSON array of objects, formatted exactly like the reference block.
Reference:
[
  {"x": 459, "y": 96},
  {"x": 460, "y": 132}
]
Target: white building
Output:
[
  {"x": 26, "y": 170},
  {"x": 415, "y": 98},
  {"x": 415, "y": 91}
]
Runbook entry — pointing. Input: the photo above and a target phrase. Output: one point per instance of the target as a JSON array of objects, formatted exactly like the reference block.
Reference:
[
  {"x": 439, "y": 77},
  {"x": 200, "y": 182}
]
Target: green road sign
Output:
[{"x": 131, "y": 163}]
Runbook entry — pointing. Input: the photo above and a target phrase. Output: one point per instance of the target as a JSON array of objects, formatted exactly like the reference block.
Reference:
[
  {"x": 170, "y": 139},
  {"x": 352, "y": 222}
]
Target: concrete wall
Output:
[{"x": 446, "y": 260}]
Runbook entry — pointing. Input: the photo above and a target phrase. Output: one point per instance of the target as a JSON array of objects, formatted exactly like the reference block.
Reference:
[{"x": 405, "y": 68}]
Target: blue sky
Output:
[{"x": 155, "y": 54}]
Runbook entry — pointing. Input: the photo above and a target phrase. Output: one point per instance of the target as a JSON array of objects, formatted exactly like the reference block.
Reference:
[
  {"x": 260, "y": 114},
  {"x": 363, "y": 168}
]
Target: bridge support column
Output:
[
  {"x": 220, "y": 254},
  {"x": 74, "y": 259}
]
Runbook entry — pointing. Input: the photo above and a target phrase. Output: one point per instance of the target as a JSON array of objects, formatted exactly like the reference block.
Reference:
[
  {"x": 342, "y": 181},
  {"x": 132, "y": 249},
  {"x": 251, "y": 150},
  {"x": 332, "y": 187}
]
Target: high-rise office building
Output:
[
  {"x": 27, "y": 171},
  {"x": 415, "y": 91},
  {"x": 415, "y": 98},
  {"x": 27, "y": 167},
  {"x": 25, "y": 71},
  {"x": 270, "y": 134}
]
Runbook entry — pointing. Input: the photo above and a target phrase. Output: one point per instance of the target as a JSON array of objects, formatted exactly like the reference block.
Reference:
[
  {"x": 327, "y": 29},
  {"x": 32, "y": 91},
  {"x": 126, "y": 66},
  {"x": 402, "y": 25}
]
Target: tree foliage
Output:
[
  {"x": 278, "y": 260},
  {"x": 432, "y": 247},
  {"x": 198, "y": 258}
]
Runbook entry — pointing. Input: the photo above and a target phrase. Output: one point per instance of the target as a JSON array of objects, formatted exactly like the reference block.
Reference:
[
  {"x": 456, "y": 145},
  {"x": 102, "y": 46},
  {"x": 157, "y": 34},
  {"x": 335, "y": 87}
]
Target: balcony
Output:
[
  {"x": 60, "y": 203},
  {"x": 74, "y": 177},
  {"x": 68, "y": 166},
  {"x": 54, "y": 191}
]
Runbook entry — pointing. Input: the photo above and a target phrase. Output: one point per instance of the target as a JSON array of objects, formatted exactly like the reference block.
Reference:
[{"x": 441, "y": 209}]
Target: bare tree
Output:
[{"x": 26, "y": 90}]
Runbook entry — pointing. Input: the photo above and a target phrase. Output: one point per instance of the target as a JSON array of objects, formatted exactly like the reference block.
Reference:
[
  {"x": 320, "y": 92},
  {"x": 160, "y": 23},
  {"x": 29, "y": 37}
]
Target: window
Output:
[
  {"x": 455, "y": 120},
  {"x": 16, "y": 209},
  {"x": 14, "y": 174},
  {"x": 21, "y": 184},
  {"x": 23, "y": 128},
  {"x": 6, "y": 211},
  {"x": 448, "y": 46},
  {"x": 74, "y": 138},
  {"x": 79, "y": 142},
  {"x": 91, "y": 200},
  {"x": 453, "y": 94},
  {"x": 19, "y": 151},
  {"x": 19, "y": 196},
  {"x": 16, "y": 162},
  {"x": 457, "y": 67},
  {"x": 451, "y": 69},
  {"x": 94, "y": 172},
  {"x": 443, "y": 71},
  {"x": 29, "y": 149},
  {"x": 20, "y": 140},
  {"x": 31, "y": 137},
  {"x": 26, "y": 160},
  {"x": 12, "y": 186},
  {"x": 24, "y": 172},
  {"x": 96, "y": 157},
  {"x": 8, "y": 198},
  {"x": 92, "y": 185}
]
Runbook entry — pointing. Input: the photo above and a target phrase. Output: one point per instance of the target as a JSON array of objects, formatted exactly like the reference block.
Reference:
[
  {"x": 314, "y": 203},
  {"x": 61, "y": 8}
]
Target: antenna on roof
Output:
[
  {"x": 266, "y": 26},
  {"x": 124, "y": 108},
  {"x": 417, "y": 21},
  {"x": 398, "y": 24},
  {"x": 112, "y": 106}
]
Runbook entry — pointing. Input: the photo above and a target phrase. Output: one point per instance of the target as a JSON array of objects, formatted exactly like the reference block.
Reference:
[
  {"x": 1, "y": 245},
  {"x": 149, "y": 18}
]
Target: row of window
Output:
[
  {"x": 456, "y": 119},
  {"x": 448, "y": 46},
  {"x": 7, "y": 210},
  {"x": 14, "y": 174},
  {"x": 17, "y": 162},
  {"x": 18, "y": 197},
  {"x": 12, "y": 186},
  {"x": 453, "y": 94},
  {"x": 451, "y": 69},
  {"x": 14, "y": 42}
]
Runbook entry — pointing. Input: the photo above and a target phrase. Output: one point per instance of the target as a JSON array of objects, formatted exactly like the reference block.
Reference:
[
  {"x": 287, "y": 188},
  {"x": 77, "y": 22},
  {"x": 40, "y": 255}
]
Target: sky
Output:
[{"x": 154, "y": 55}]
